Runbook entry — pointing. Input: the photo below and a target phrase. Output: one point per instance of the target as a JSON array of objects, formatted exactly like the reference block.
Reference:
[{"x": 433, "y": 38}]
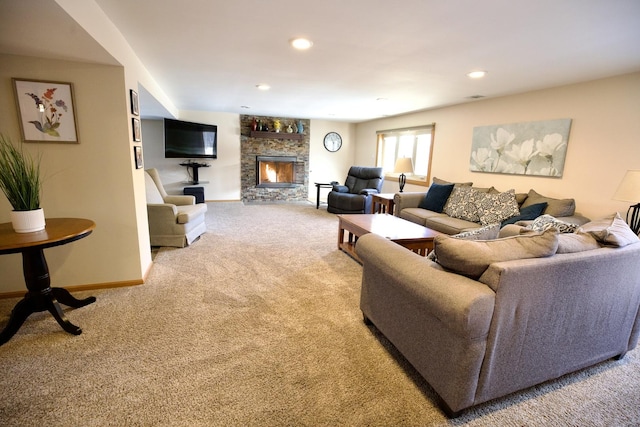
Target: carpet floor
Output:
[{"x": 257, "y": 324}]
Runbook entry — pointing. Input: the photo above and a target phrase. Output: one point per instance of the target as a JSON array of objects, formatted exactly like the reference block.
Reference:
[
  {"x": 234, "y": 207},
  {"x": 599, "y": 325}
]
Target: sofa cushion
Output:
[
  {"x": 419, "y": 215},
  {"x": 495, "y": 208},
  {"x": 544, "y": 222},
  {"x": 471, "y": 258},
  {"x": 461, "y": 203},
  {"x": 527, "y": 213},
  {"x": 446, "y": 224},
  {"x": 576, "y": 242},
  {"x": 555, "y": 207},
  {"x": 436, "y": 197},
  {"x": 611, "y": 230}
]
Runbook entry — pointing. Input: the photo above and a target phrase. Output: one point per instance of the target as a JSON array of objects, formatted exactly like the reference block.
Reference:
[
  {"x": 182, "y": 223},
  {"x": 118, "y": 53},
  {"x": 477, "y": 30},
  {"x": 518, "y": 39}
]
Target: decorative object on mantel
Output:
[
  {"x": 277, "y": 135},
  {"x": 531, "y": 148},
  {"x": 300, "y": 127},
  {"x": 403, "y": 164},
  {"x": 629, "y": 191},
  {"x": 46, "y": 111},
  {"x": 254, "y": 124},
  {"x": 277, "y": 126},
  {"x": 289, "y": 128},
  {"x": 20, "y": 182}
]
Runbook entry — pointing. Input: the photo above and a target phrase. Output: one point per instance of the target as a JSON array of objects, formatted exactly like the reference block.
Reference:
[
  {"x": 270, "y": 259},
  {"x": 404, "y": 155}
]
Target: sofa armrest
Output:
[
  {"x": 180, "y": 200},
  {"x": 462, "y": 305},
  {"x": 407, "y": 200},
  {"x": 162, "y": 214}
]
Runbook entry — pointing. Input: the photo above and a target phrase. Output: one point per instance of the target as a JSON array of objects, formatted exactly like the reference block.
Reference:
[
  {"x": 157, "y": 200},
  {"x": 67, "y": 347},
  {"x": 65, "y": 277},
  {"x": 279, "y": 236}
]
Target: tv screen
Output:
[{"x": 186, "y": 140}]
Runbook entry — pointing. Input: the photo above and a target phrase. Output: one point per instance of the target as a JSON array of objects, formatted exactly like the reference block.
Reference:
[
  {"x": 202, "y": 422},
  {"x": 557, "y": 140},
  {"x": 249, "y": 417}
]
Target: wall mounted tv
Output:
[{"x": 186, "y": 140}]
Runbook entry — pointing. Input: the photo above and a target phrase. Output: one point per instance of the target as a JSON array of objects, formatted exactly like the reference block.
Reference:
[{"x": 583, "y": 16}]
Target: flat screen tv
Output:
[{"x": 186, "y": 140}]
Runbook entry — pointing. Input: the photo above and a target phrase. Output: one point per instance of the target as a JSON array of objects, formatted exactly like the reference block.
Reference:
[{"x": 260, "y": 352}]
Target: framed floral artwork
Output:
[
  {"x": 46, "y": 111},
  {"x": 528, "y": 148}
]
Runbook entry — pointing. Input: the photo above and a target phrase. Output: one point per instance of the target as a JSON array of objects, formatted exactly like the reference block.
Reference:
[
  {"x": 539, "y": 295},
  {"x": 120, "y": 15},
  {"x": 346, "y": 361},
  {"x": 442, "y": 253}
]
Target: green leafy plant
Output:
[{"x": 19, "y": 176}]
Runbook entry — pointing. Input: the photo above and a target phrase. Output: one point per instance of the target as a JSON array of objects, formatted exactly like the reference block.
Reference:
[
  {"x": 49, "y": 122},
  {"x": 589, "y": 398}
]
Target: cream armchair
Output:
[{"x": 173, "y": 220}]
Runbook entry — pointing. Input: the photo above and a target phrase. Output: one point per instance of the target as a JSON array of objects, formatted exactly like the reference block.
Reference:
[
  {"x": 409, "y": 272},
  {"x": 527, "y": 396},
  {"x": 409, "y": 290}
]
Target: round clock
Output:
[{"x": 332, "y": 141}]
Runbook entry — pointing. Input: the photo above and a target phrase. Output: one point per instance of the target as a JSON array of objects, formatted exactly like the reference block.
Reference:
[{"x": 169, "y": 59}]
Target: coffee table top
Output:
[{"x": 388, "y": 226}]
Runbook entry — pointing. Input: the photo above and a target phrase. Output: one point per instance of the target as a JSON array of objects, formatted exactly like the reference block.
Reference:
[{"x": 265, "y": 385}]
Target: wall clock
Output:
[{"x": 332, "y": 141}]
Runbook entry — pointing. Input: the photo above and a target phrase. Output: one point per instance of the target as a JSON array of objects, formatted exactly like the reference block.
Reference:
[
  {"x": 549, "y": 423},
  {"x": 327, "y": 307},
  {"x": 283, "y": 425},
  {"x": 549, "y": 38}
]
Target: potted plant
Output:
[{"x": 20, "y": 182}]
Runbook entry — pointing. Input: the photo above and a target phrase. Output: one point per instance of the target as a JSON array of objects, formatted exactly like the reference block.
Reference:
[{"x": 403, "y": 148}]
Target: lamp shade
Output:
[
  {"x": 629, "y": 189},
  {"x": 403, "y": 164}
]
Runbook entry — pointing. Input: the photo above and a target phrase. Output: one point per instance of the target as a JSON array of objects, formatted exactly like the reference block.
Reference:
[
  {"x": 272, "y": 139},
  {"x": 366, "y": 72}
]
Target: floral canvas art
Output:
[
  {"x": 530, "y": 148},
  {"x": 46, "y": 111}
]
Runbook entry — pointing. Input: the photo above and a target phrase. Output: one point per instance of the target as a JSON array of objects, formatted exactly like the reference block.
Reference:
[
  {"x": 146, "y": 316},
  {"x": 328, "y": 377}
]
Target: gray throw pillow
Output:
[
  {"x": 611, "y": 230},
  {"x": 471, "y": 258},
  {"x": 555, "y": 207}
]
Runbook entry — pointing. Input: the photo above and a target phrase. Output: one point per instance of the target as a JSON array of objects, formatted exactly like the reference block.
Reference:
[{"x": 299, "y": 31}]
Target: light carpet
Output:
[{"x": 257, "y": 324}]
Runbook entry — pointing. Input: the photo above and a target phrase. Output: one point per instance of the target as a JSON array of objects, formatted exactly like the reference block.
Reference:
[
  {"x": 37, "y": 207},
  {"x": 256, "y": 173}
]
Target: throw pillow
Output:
[
  {"x": 612, "y": 230},
  {"x": 555, "y": 207},
  {"x": 489, "y": 232},
  {"x": 546, "y": 222},
  {"x": 461, "y": 203},
  {"x": 576, "y": 242},
  {"x": 471, "y": 258},
  {"x": 495, "y": 208},
  {"x": 526, "y": 214},
  {"x": 436, "y": 197}
]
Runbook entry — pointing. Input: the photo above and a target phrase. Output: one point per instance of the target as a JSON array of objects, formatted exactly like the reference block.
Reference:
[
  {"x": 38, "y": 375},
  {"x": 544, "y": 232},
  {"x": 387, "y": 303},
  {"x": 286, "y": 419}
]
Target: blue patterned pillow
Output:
[
  {"x": 436, "y": 197},
  {"x": 461, "y": 203},
  {"x": 546, "y": 222}
]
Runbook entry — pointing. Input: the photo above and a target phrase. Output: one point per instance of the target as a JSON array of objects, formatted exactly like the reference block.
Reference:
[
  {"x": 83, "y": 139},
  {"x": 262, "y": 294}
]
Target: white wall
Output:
[
  {"x": 92, "y": 179},
  {"x": 223, "y": 176},
  {"x": 603, "y": 142}
]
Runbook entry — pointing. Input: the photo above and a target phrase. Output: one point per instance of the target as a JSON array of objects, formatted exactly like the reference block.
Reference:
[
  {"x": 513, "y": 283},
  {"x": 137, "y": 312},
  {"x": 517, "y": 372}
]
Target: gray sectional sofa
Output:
[
  {"x": 488, "y": 318},
  {"x": 459, "y": 213}
]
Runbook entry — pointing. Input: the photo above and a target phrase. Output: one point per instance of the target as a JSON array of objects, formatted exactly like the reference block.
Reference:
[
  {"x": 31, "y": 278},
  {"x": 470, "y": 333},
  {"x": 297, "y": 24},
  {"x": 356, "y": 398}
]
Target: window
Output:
[{"x": 415, "y": 143}]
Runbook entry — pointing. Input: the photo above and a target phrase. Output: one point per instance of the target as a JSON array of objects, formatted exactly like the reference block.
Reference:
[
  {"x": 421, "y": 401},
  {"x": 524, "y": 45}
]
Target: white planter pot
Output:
[{"x": 27, "y": 221}]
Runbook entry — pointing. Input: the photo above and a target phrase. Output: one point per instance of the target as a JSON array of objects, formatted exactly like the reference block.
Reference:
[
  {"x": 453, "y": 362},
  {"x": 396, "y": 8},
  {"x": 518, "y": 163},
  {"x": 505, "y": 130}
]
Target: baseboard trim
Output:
[{"x": 77, "y": 288}]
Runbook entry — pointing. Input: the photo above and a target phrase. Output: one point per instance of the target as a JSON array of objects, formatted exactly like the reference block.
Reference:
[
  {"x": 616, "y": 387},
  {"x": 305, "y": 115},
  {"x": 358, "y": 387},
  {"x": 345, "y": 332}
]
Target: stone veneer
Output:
[{"x": 251, "y": 147}]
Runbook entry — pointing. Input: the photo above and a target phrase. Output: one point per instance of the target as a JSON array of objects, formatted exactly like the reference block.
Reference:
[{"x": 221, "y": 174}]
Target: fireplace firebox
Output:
[{"x": 275, "y": 171}]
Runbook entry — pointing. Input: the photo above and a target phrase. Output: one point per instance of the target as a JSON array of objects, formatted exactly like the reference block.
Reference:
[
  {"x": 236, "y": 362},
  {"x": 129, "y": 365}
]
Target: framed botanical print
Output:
[{"x": 46, "y": 111}]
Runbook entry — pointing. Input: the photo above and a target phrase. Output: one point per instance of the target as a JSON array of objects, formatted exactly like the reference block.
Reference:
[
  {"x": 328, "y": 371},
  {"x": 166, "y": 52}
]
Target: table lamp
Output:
[
  {"x": 403, "y": 164},
  {"x": 629, "y": 191}
]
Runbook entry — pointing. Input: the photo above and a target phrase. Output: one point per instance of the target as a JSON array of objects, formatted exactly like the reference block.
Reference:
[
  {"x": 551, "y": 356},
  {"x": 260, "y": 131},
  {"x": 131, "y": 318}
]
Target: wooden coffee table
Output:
[{"x": 412, "y": 236}]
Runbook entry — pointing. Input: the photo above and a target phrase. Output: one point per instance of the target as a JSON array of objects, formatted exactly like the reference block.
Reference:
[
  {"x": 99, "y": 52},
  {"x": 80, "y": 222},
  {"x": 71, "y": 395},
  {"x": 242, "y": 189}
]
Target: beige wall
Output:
[
  {"x": 92, "y": 179},
  {"x": 603, "y": 142}
]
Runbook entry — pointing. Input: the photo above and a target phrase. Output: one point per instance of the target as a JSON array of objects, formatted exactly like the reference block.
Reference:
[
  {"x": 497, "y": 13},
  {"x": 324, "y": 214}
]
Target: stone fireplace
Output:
[
  {"x": 275, "y": 171},
  {"x": 274, "y": 167}
]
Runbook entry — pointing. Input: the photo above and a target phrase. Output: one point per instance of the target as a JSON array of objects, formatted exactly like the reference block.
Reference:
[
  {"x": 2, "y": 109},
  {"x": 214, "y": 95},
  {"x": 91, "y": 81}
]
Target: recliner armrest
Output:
[
  {"x": 340, "y": 188},
  {"x": 368, "y": 191}
]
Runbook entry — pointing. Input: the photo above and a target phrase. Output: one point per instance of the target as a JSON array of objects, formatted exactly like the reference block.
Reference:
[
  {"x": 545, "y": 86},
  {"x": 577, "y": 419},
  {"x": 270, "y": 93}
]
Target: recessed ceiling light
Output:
[
  {"x": 301, "y": 43},
  {"x": 476, "y": 74},
  {"x": 263, "y": 86},
  {"x": 245, "y": 107}
]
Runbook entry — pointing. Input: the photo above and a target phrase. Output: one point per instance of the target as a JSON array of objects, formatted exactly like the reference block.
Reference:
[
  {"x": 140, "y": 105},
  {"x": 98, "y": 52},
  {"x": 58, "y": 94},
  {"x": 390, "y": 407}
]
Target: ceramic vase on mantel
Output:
[{"x": 28, "y": 221}]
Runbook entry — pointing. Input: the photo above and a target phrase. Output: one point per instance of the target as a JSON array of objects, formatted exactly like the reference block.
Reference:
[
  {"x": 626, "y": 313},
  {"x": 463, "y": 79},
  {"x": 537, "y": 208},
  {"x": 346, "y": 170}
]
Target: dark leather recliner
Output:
[{"x": 355, "y": 195}]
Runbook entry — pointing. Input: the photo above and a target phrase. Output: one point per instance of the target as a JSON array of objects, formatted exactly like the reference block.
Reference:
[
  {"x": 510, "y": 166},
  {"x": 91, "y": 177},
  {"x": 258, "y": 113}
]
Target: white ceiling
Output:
[{"x": 210, "y": 54}]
